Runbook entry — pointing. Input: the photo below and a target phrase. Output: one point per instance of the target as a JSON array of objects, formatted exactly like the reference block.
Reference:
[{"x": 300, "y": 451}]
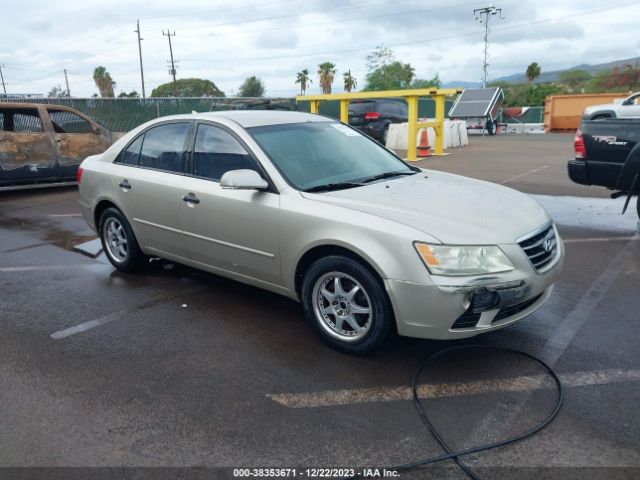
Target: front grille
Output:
[
  {"x": 514, "y": 309},
  {"x": 541, "y": 248}
]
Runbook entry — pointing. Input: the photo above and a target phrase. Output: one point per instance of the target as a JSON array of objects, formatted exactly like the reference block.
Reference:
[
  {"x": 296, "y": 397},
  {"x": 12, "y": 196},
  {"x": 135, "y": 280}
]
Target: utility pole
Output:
[
  {"x": 4, "y": 88},
  {"x": 483, "y": 15},
  {"x": 172, "y": 70},
  {"x": 137, "y": 30},
  {"x": 66, "y": 81}
]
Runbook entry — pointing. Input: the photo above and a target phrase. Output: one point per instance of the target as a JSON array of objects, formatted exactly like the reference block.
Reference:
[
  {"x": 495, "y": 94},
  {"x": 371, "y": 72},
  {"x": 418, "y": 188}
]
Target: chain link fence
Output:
[{"x": 124, "y": 114}]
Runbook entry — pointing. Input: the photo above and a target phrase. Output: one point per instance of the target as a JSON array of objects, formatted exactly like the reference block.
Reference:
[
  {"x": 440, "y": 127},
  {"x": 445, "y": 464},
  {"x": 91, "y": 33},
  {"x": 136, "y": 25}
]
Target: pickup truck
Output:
[
  {"x": 607, "y": 153},
  {"x": 627, "y": 108}
]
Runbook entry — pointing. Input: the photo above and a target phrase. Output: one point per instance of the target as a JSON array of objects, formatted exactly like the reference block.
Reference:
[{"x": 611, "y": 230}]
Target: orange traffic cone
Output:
[{"x": 423, "y": 146}]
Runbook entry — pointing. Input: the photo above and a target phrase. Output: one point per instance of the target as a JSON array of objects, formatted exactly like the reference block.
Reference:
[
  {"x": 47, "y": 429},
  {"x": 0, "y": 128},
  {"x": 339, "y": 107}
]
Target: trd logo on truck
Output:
[{"x": 609, "y": 140}]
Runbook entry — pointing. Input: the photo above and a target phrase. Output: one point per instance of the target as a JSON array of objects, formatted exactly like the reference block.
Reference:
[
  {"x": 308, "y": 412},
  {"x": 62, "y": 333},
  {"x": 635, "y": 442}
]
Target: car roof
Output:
[{"x": 256, "y": 118}]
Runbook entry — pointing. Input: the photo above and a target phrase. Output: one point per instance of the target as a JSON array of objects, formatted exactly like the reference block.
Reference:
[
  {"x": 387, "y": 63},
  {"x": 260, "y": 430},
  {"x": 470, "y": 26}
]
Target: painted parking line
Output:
[
  {"x": 390, "y": 394},
  {"x": 65, "y": 215},
  {"x": 522, "y": 175},
  {"x": 42, "y": 268},
  {"x": 83, "y": 327},
  {"x": 635, "y": 238}
]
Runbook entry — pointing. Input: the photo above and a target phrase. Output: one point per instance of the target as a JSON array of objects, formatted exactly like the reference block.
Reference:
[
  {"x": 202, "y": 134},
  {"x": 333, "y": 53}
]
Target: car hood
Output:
[{"x": 451, "y": 208}]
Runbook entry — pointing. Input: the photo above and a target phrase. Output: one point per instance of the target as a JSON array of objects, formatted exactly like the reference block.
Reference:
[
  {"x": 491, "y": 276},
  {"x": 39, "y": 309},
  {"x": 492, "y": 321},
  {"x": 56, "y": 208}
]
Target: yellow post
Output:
[
  {"x": 344, "y": 111},
  {"x": 314, "y": 106},
  {"x": 412, "y": 112},
  {"x": 439, "y": 128}
]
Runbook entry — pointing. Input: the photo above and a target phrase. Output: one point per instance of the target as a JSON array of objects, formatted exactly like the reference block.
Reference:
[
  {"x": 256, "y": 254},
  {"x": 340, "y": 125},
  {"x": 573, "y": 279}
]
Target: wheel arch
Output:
[{"x": 323, "y": 250}]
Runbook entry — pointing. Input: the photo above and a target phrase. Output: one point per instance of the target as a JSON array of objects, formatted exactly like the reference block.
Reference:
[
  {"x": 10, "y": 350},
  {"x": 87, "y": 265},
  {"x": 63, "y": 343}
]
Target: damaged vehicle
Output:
[
  {"x": 43, "y": 144},
  {"x": 307, "y": 207}
]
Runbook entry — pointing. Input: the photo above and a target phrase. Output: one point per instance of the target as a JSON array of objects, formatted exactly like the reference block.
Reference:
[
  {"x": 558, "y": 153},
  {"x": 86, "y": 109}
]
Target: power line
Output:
[
  {"x": 416, "y": 42},
  {"x": 333, "y": 22}
]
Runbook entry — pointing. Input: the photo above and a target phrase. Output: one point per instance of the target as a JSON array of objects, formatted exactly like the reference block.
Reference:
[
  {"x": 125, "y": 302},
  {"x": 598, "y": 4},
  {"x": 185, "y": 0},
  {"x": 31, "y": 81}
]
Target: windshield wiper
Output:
[
  {"x": 386, "y": 175},
  {"x": 332, "y": 186}
]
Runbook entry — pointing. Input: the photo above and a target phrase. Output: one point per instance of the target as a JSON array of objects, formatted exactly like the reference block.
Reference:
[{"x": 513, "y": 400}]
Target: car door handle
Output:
[
  {"x": 190, "y": 198},
  {"x": 125, "y": 184}
]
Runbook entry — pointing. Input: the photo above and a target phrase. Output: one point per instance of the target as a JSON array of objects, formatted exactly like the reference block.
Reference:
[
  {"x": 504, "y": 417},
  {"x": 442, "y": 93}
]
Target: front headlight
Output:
[{"x": 463, "y": 260}]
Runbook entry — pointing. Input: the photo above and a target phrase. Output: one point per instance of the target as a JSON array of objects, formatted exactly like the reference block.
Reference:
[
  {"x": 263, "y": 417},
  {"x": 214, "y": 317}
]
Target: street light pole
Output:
[{"x": 483, "y": 15}]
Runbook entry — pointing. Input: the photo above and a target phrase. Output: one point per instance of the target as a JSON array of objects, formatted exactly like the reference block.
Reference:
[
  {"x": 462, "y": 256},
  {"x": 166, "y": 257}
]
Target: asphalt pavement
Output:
[{"x": 173, "y": 367}]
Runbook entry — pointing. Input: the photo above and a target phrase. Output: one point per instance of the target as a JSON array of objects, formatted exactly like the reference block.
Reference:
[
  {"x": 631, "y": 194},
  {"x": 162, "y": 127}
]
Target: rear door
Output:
[
  {"x": 631, "y": 108},
  {"x": 27, "y": 151},
  {"x": 76, "y": 138},
  {"x": 233, "y": 230},
  {"x": 147, "y": 176}
]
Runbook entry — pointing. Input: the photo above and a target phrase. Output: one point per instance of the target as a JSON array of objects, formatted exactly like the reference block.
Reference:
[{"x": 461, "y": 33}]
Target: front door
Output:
[
  {"x": 76, "y": 139},
  {"x": 233, "y": 230}
]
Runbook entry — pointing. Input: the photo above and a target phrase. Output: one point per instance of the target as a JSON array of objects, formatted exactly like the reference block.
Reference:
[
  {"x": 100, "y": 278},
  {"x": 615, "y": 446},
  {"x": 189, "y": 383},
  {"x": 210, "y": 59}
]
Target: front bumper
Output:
[{"x": 431, "y": 310}]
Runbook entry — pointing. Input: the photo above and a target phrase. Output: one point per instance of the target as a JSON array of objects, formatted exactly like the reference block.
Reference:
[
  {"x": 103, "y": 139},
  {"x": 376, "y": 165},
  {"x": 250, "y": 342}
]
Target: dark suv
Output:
[{"x": 374, "y": 116}]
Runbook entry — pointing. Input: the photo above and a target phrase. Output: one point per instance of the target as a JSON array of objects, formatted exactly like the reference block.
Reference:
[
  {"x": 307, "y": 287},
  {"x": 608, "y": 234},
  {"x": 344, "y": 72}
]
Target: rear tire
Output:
[
  {"x": 118, "y": 241},
  {"x": 347, "y": 305},
  {"x": 491, "y": 127}
]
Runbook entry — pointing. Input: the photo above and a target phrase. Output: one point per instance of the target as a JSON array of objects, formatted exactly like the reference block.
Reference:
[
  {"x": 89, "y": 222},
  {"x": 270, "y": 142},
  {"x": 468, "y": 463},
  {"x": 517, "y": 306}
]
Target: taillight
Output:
[
  {"x": 578, "y": 145},
  {"x": 79, "y": 175},
  {"x": 371, "y": 116}
]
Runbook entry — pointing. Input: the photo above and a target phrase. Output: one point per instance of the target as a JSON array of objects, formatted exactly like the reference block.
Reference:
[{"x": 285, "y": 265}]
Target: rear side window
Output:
[
  {"x": 131, "y": 155},
  {"x": 20, "y": 120},
  {"x": 217, "y": 152},
  {"x": 163, "y": 147},
  {"x": 68, "y": 122}
]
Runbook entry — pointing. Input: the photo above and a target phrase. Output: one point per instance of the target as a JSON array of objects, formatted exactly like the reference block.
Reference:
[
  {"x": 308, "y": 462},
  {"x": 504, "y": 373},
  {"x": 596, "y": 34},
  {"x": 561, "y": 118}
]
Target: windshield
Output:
[{"x": 321, "y": 153}]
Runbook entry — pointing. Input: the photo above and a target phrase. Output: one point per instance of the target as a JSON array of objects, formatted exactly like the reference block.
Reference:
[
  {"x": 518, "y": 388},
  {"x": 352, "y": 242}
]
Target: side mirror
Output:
[{"x": 243, "y": 180}]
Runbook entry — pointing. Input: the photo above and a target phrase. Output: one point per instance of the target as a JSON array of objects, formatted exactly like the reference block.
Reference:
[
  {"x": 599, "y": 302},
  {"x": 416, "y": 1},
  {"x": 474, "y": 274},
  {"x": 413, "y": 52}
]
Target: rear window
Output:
[{"x": 362, "y": 107}]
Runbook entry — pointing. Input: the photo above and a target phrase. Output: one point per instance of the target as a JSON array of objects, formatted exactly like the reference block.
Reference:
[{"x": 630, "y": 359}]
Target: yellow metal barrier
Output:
[{"x": 410, "y": 96}]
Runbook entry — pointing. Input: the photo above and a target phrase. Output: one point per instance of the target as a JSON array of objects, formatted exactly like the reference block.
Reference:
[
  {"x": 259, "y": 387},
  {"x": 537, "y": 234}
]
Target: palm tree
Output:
[
  {"x": 533, "y": 71},
  {"x": 303, "y": 79},
  {"x": 349, "y": 81},
  {"x": 104, "y": 82},
  {"x": 326, "y": 72}
]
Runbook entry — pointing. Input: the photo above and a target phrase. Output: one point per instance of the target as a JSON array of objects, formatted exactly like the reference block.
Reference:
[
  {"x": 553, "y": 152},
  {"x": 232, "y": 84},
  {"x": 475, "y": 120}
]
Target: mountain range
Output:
[{"x": 545, "y": 77}]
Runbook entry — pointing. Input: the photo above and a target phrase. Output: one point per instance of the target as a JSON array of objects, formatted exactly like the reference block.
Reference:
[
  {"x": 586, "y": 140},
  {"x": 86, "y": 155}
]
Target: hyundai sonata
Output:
[{"x": 307, "y": 207}]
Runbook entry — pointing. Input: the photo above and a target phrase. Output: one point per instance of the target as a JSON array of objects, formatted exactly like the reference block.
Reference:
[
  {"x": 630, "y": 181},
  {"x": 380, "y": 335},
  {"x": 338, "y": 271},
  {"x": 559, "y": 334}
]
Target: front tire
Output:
[
  {"x": 347, "y": 305},
  {"x": 118, "y": 242}
]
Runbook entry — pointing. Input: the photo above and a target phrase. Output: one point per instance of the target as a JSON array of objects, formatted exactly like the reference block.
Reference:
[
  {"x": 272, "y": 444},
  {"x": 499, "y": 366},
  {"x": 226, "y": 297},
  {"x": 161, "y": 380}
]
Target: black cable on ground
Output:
[{"x": 455, "y": 455}]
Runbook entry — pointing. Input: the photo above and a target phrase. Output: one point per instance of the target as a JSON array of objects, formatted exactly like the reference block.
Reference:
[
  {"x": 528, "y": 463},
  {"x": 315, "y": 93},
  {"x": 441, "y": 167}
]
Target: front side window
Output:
[
  {"x": 163, "y": 147},
  {"x": 68, "y": 122},
  {"x": 315, "y": 154},
  {"x": 216, "y": 152}
]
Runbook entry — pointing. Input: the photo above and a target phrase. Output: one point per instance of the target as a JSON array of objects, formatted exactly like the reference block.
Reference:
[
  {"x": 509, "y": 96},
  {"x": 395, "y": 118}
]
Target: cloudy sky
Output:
[{"x": 228, "y": 41}]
